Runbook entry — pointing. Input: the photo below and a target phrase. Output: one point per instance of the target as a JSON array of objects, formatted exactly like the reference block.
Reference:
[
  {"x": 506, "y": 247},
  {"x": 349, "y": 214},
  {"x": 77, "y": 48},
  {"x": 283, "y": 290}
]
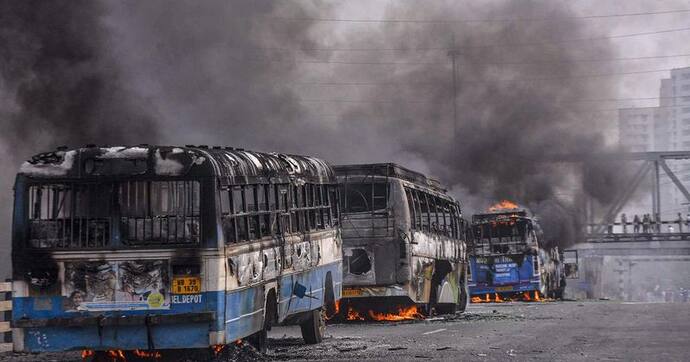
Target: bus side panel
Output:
[
  {"x": 313, "y": 280},
  {"x": 244, "y": 312}
]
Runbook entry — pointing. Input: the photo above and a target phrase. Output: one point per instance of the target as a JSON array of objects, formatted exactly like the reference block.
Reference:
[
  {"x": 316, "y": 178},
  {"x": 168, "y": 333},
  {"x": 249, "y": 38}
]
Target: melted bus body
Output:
[
  {"x": 403, "y": 238},
  {"x": 506, "y": 258},
  {"x": 171, "y": 247}
]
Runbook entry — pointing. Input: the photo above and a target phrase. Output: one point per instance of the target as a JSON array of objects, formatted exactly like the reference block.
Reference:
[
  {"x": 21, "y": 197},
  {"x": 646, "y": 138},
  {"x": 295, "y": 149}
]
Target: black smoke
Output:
[
  {"x": 101, "y": 72},
  {"x": 520, "y": 93},
  {"x": 233, "y": 73}
]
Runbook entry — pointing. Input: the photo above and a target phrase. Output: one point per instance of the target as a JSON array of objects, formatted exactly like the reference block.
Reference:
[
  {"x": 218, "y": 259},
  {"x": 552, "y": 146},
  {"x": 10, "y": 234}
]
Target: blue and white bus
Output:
[
  {"x": 506, "y": 259},
  {"x": 165, "y": 248}
]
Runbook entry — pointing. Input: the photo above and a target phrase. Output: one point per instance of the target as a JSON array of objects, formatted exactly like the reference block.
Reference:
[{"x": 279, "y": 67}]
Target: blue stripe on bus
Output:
[
  {"x": 51, "y": 307},
  {"x": 242, "y": 317}
]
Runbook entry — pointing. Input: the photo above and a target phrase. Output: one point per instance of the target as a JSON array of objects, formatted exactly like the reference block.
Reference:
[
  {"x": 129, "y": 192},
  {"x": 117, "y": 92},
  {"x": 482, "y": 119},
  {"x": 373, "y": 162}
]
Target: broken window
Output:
[
  {"x": 72, "y": 215},
  {"x": 251, "y": 212},
  {"x": 411, "y": 208},
  {"x": 358, "y": 262},
  {"x": 159, "y": 212},
  {"x": 364, "y": 196}
]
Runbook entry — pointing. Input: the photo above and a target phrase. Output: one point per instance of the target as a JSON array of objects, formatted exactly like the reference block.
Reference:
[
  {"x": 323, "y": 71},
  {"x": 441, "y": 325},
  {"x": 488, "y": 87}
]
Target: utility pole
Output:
[{"x": 453, "y": 53}]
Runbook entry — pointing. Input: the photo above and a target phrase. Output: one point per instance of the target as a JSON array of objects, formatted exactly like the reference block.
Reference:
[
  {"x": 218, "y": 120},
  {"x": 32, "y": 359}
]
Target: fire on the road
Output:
[
  {"x": 398, "y": 313},
  {"x": 497, "y": 298}
]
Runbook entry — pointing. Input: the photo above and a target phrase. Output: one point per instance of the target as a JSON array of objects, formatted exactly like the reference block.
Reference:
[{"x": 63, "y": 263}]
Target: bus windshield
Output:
[
  {"x": 81, "y": 215},
  {"x": 500, "y": 237}
]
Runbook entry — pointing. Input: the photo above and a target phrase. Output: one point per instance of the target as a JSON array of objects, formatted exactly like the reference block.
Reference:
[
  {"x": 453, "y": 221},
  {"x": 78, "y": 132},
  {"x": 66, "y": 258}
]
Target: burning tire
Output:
[{"x": 314, "y": 327}]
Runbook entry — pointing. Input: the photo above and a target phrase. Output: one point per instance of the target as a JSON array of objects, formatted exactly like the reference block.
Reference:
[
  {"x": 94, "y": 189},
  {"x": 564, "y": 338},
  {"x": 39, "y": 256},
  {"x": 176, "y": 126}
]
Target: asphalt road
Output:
[{"x": 564, "y": 331}]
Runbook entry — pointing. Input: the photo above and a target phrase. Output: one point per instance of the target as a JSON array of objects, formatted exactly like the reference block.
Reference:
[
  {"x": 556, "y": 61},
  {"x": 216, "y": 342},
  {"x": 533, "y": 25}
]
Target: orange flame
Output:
[
  {"x": 503, "y": 205},
  {"x": 498, "y": 298},
  {"x": 478, "y": 299},
  {"x": 117, "y": 355},
  {"x": 86, "y": 353},
  {"x": 218, "y": 348},
  {"x": 354, "y": 315},
  {"x": 337, "y": 307},
  {"x": 147, "y": 354},
  {"x": 403, "y": 313}
]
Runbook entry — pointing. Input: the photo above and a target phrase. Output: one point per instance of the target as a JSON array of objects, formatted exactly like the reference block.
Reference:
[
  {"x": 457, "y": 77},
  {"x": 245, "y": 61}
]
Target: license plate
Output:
[
  {"x": 504, "y": 289},
  {"x": 186, "y": 285},
  {"x": 352, "y": 292}
]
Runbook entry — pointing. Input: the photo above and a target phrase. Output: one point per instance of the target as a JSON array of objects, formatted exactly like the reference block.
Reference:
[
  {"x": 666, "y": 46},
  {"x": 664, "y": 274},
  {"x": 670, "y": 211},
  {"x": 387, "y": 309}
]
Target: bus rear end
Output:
[
  {"x": 109, "y": 252},
  {"x": 504, "y": 260}
]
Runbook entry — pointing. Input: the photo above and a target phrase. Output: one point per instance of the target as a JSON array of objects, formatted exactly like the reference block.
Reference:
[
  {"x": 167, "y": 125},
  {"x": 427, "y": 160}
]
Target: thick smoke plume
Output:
[
  {"x": 79, "y": 72},
  {"x": 520, "y": 94},
  {"x": 241, "y": 73}
]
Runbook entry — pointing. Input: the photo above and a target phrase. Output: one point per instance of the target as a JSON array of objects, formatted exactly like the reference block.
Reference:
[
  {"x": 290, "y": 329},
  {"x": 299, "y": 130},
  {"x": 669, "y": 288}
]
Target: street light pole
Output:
[{"x": 453, "y": 54}]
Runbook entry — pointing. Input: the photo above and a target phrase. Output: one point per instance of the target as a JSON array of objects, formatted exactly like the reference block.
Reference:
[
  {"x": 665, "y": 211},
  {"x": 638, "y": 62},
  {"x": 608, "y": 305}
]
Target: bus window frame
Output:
[{"x": 194, "y": 198}]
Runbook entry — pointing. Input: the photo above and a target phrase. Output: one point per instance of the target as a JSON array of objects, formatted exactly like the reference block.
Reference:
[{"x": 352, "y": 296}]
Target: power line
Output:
[
  {"x": 498, "y": 20},
  {"x": 569, "y": 111},
  {"x": 506, "y": 45},
  {"x": 582, "y": 76},
  {"x": 316, "y": 100},
  {"x": 299, "y": 61}
]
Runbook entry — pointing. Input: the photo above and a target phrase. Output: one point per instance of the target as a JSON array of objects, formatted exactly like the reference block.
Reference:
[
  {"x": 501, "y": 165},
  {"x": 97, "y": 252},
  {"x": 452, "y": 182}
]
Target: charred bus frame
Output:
[
  {"x": 507, "y": 259},
  {"x": 403, "y": 239},
  {"x": 154, "y": 247}
]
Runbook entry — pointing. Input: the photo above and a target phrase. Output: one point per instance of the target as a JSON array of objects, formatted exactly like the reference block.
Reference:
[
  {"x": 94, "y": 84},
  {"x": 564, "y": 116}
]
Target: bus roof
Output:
[
  {"x": 233, "y": 165},
  {"x": 388, "y": 170}
]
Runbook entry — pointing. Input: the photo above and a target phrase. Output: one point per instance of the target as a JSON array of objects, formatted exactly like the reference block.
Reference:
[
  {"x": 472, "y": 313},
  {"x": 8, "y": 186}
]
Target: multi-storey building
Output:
[
  {"x": 636, "y": 128},
  {"x": 663, "y": 128}
]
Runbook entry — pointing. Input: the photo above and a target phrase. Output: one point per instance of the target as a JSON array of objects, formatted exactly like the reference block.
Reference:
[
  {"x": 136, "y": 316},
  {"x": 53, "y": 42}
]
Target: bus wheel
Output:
[{"x": 314, "y": 327}]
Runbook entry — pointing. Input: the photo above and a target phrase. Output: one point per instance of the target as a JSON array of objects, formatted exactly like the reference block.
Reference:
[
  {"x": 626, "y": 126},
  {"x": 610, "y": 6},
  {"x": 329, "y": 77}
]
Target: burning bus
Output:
[
  {"x": 403, "y": 244},
  {"x": 507, "y": 260},
  {"x": 151, "y": 248}
]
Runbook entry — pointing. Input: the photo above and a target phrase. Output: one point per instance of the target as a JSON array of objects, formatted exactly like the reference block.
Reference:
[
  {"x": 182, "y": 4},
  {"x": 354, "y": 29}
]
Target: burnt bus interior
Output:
[
  {"x": 251, "y": 212},
  {"x": 89, "y": 215}
]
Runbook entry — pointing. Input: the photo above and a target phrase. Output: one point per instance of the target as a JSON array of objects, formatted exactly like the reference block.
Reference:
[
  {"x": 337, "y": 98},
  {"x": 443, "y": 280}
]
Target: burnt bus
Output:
[
  {"x": 508, "y": 261},
  {"x": 144, "y": 248},
  {"x": 403, "y": 239}
]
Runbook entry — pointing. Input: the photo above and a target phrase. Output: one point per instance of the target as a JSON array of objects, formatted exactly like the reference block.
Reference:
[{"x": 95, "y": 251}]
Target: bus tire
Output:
[{"x": 314, "y": 327}]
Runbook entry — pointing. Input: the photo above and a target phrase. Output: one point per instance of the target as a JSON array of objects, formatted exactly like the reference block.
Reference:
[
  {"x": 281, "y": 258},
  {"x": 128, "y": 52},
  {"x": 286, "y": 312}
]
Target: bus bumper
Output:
[
  {"x": 351, "y": 291},
  {"x": 169, "y": 331}
]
